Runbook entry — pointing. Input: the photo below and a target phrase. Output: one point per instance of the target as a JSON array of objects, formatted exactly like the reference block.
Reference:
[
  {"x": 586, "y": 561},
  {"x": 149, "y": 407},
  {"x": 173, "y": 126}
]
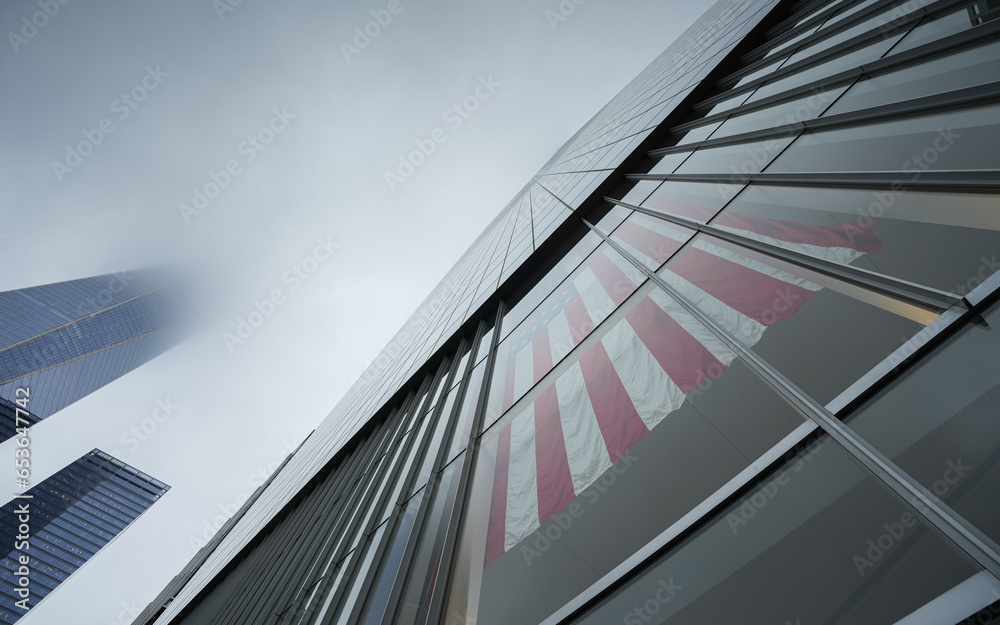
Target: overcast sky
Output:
[{"x": 307, "y": 116}]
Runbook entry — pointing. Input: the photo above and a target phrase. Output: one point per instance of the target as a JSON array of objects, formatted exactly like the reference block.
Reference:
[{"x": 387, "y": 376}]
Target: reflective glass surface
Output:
[
  {"x": 564, "y": 319},
  {"x": 819, "y": 541},
  {"x": 941, "y": 424},
  {"x": 652, "y": 414},
  {"x": 822, "y": 333},
  {"x": 941, "y": 240},
  {"x": 954, "y": 140}
]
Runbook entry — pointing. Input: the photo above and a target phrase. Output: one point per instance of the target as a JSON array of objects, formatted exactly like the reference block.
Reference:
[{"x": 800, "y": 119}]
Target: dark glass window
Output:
[
  {"x": 941, "y": 240},
  {"x": 819, "y": 541},
  {"x": 968, "y": 68},
  {"x": 941, "y": 423},
  {"x": 798, "y": 110},
  {"x": 955, "y": 140},
  {"x": 735, "y": 160},
  {"x": 693, "y": 200}
]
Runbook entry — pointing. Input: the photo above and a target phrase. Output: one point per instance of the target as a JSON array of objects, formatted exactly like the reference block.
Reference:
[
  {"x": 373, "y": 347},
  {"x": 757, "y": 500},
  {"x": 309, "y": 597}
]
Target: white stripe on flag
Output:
[
  {"x": 522, "y": 483},
  {"x": 693, "y": 327},
  {"x": 744, "y": 328},
  {"x": 524, "y": 369},
  {"x": 595, "y": 299},
  {"x": 585, "y": 448},
  {"x": 757, "y": 266},
  {"x": 560, "y": 337},
  {"x": 653, "y": 393}
]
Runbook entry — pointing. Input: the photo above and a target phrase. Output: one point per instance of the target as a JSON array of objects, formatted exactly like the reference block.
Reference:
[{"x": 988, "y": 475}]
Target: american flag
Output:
[{"x": 642, "y": 369}]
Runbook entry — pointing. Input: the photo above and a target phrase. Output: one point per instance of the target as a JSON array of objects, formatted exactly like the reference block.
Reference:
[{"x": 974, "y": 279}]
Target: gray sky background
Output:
[{"x": 217, "y": 81}]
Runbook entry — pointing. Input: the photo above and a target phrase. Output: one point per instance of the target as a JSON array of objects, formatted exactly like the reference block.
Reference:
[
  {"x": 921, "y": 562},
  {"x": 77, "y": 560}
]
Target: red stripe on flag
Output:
[
  {"x": 685, "y": 360},
  {"x": 651, "y": 243},
  {"x": 620, "y": 424},
  {"x": 849, "y": 235},
  {"x": 497, "y": 530},
  {"x": 555, "y": 483},
  {"x": 759, "y": 296},
  {"x": 615, "y": 282}
]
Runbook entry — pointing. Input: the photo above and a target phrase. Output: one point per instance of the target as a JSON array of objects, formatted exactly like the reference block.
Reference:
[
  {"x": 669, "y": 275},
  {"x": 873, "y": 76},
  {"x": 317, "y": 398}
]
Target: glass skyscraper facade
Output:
[
  {"x": 730, "y": 356},
  {"x": 66, "y": 340},
  {"x": 69, "y": 517}
]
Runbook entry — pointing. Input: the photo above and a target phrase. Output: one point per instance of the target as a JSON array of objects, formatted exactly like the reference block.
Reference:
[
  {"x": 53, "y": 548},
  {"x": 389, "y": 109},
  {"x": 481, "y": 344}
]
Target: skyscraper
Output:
[
  {"x": 66, "y": 340},
  {"x": 58, "y": 525},
  {"x": 730, "y": 356}
]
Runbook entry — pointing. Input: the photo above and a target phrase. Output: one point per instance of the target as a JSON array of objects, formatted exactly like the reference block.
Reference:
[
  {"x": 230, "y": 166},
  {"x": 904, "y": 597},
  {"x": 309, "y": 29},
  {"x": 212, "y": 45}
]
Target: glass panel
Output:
[
  {"x": 669, "y": 163},
  {"x": 764, "y": 71},
  {"x": 694, "y": 200},
  {"x": 582, "y": 302},
  {"x": 820, "y": 332},
  {"x": 640, "y": 191},
  {"x": 848, "y": 12},
  {"x": 941, "y": 423},
  {"x": 551, "y": 280},
  {"x": 486, "y": 342},
  {"x": 638, "y": 426},
  {"x": 699, "y": 133},
  {"x": 744, "y": 158},
  {"x": 910, "y": 145},
  {"x": 824, "y": 70},
  {"x": 359, "y": 579},
  {"x": 390, "y": 568},
  {"x": 782, "y": 114},
  {"x": 942, "y": 240},
  {"x": 820, "y": 541},
  {"x": 651, "y": 240},
  {"x": 792, "y": 41},
  {"x": 466, "y": 413},
  {"x": 730, "y": 103},
  {"x": 611, "y": 221},
  {"x": 422, "y": 576},
  {"x": 883, "y": 21},
  {"x": 969, "y": 16},
  {"x": 969, "y": 68},
  {"x": 434, "y": 441}
]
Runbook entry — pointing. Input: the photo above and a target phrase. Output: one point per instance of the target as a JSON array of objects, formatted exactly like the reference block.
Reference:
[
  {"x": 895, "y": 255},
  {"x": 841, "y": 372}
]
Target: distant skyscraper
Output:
[
  {"x": 69, "y": 517},
  {"x": 66, "y": 340}
]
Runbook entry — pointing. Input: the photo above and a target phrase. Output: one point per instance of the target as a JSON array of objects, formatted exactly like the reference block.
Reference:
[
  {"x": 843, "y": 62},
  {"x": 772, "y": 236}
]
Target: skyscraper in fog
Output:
[
  {"x": 64, "y": 341},
  {"x": 730, "y": 357}
]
